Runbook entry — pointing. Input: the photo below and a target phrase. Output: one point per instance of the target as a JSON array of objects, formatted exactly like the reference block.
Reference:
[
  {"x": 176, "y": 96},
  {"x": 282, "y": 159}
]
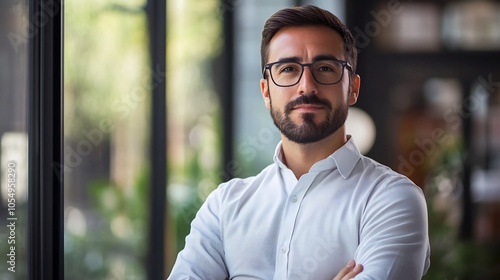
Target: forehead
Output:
[{"x": 305, "y": 42}]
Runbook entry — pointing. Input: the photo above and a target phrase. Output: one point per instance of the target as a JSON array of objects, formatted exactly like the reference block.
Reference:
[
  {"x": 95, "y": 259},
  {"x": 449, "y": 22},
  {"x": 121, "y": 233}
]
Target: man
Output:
[{"x": 321, "y": 204}]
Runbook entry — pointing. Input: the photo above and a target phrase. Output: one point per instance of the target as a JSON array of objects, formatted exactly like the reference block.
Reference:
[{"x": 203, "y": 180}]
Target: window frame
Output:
[{"x": 45, "y": 140}]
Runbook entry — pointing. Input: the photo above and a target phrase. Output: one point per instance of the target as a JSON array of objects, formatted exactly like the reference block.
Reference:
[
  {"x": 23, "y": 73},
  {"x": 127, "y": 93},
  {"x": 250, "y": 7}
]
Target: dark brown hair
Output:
[{"x": 307, "y": 15}]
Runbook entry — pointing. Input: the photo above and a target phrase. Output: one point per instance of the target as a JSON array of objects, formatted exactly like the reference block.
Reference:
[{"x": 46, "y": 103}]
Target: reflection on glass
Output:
[
  {"x": 194, "y": 127},
  {"x": 13, "y": 140},
  {"x": 107, "y": 99}
]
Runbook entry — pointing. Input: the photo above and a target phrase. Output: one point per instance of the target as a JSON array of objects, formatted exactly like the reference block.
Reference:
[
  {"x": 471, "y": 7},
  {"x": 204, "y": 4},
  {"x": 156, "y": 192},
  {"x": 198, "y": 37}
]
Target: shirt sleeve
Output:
[
  {"x": 203, "y": 254},
  {"x": 393, "y": 238}
]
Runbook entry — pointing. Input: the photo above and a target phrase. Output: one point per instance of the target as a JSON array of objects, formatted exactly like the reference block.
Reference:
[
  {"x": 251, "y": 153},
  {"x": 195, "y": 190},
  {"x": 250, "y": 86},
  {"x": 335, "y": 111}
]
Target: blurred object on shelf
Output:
[{"x": 472, "y": 25}]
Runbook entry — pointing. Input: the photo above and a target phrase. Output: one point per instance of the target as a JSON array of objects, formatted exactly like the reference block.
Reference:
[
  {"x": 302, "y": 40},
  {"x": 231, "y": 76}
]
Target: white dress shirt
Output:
[{"x": 273, "y": 226}]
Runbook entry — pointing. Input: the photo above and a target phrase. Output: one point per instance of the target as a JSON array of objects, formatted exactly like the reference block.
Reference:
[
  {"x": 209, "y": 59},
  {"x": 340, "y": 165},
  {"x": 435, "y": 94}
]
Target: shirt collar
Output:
[
  {"x": 278, "y": 155},
  {"x": 345, "y": 158}
]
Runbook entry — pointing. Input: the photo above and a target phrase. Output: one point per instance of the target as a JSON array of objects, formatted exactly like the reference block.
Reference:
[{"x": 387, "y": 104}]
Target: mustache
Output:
[{"x": 307, "y": 99}]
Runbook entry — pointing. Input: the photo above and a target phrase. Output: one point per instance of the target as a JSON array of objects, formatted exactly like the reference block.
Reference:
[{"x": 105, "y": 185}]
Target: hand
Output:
[{"x": 349, "y": 271}]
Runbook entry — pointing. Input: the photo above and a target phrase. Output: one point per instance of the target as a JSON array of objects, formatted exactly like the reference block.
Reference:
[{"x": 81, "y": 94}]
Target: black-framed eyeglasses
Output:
[{"x": 326, "y": 71}]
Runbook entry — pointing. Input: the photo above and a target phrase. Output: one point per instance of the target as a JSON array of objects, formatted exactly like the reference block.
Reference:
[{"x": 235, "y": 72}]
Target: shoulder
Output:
[
  {"x": 384, "y": 185},
  {"x": 381, "y": 173},
  {"x": 237, "y": 187},
  {"x": 389, "y": 198}
]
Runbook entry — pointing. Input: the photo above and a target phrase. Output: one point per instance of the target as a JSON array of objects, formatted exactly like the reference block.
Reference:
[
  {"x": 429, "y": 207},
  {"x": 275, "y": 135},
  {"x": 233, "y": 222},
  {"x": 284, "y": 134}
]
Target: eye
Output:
[
  {"x": 288, "y": 68},
  {"x": 325, "y": 68}
]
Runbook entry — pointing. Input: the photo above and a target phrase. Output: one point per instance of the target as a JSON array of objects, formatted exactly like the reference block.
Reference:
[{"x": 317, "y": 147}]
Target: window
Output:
[{"x": 14, "y": 140}]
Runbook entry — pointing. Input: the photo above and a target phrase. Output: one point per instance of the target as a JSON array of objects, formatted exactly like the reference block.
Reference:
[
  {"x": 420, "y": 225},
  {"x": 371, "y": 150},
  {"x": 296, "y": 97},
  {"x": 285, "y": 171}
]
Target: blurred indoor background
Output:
[{"x": 429, "y": 107}]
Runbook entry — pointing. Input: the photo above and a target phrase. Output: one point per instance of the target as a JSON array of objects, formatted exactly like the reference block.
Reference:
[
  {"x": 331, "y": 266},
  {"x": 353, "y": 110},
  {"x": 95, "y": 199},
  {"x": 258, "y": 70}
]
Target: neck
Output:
[{"x": 301, "y": 157}]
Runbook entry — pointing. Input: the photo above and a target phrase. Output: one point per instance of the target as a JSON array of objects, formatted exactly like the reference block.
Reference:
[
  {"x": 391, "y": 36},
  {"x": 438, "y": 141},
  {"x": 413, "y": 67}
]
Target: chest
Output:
[{"x": 304, "y": 234}]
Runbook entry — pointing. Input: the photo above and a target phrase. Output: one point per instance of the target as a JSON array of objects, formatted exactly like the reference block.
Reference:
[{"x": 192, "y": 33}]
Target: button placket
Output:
[{"x": 290, "y": 215}]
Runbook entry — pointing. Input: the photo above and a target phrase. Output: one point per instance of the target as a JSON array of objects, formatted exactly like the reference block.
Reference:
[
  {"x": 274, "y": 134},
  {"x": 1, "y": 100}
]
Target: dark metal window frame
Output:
[
  {"x": 45, "y": 133},
  {"x": 157, "y": 14}
]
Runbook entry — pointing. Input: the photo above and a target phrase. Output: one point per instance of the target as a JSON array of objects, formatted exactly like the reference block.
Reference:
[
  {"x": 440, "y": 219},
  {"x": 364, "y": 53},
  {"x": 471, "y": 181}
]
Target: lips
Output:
[{"x": 308, "y": 107}]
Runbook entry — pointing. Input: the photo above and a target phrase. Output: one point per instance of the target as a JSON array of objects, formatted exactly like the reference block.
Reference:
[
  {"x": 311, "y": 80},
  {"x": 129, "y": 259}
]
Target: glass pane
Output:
[
  {"x": 13, "y": 140},
  {"x": 107, "y": 110},
  {"x": 194, "y": 45}
]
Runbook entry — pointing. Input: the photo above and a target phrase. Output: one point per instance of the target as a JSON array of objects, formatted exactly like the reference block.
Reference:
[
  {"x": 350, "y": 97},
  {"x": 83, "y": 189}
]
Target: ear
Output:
[
  {"x": 264, "y": 89},
  {"x": 354, "y": 90}
]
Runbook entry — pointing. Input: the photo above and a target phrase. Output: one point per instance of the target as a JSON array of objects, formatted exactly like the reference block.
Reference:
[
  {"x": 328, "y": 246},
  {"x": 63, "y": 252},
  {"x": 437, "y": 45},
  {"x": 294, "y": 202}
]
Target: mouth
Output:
[
  {"x": 308, "y": 108},
  {"x": 307, "y": 104}
]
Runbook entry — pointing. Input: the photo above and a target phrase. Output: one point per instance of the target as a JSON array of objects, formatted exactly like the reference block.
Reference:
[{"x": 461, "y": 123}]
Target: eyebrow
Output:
[
  {"x": 324, "y": 57},
  {"x": 298, "y": 59},
  {"x": 289, "y": 59}
]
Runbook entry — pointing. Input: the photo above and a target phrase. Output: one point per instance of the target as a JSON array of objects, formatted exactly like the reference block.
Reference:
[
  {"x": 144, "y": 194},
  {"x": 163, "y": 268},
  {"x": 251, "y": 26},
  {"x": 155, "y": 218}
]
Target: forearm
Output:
[{"x": 203, "y": 254}]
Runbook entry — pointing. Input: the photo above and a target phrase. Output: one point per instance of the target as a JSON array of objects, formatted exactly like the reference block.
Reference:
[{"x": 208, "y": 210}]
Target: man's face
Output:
[{"x": 308, "y": 111}]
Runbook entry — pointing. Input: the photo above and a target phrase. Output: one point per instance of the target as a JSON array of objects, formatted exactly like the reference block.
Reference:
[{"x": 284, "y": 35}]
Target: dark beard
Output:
[{"x": 309, "y": 131}]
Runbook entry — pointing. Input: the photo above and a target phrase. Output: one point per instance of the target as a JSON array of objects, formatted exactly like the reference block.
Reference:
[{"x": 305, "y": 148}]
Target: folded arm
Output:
[
  {"x": 203, "y": 254},
  {"x": 393, "y": 235}
]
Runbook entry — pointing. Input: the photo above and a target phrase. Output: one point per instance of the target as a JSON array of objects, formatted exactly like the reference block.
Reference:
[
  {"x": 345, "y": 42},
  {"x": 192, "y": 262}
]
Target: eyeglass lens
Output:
[{"x": 323, "y": 71}]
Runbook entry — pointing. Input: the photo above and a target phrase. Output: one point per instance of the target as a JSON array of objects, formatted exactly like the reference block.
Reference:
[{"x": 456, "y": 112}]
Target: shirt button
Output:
[
  {"x": 283, "y": 250},
  {"x": 293, "y": 199}
]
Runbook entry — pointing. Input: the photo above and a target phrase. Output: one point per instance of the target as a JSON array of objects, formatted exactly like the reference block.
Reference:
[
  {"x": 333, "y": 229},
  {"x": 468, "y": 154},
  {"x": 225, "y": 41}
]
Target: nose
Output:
[{"x": 307, "y": 83}]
